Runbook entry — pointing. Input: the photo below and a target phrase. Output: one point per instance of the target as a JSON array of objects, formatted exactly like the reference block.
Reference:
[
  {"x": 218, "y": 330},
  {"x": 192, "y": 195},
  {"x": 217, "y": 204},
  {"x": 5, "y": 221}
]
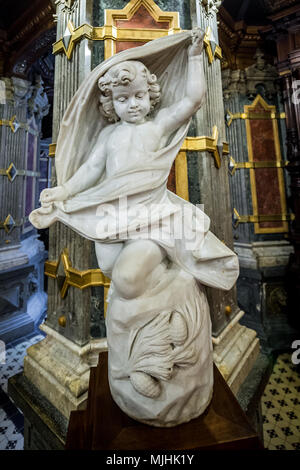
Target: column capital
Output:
[
  {"x": 66, "y": 5},
  {"x": 16, "y": 90},
  {"x": 38, "y": 102},
  {"x": 210, "y": 7}
]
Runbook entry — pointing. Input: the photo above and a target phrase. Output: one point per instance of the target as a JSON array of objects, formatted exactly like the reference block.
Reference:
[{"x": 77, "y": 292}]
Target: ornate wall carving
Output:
[{"x": 210, "y": 7}]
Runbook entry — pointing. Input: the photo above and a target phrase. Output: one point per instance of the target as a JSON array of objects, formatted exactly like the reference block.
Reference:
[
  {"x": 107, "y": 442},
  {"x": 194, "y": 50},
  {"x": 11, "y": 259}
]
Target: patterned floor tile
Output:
[
  {"x": 293, "y": 415},
  {"x": 15, "y": 444},
  {"x": 3, "y": 442},
  {"x": 274, "y": 417},
  {"x": 11, "y": 419},
  {"x": 272, "y": 391},
  {"x": 296, "y": 445},
  {"x": 269, "y": 433},
  {"x": 293, "y": 439},
  {"x": 281, "y": 407},
  {"x": 276, "y": 444},
  {"x": 20, "y": 443},
  {"x": 7, "y": 429},
  {"x": 268, "y": 405},
  {"x": 285, "y": 431}
]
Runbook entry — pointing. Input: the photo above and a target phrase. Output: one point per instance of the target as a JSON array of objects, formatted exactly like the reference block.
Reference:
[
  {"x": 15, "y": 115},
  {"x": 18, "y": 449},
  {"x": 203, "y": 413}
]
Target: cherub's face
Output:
[{"x": 132, "y": 102}]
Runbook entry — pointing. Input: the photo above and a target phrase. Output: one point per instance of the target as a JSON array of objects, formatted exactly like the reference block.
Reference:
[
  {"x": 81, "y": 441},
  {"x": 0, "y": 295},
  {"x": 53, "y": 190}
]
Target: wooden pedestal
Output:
[{"x": 103, "y": 426}]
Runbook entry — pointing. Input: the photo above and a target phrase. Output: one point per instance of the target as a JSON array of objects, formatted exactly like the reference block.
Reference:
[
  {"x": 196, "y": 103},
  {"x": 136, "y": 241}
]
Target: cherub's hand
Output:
[
  {"x": 58, "y": 193},
  {"x": 196, "y": 47}
]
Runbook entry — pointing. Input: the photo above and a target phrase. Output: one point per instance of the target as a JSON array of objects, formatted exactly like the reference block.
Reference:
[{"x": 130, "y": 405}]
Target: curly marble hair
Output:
[{"x": 122, "y": 74}]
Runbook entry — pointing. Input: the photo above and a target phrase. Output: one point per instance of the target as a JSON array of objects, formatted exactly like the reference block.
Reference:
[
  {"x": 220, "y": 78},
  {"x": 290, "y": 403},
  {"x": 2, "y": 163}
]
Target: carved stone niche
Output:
[
  {"x": 261, "y": 73},
  {"x": 234, "y": 82},
  {"x": 245, "y": 82}
]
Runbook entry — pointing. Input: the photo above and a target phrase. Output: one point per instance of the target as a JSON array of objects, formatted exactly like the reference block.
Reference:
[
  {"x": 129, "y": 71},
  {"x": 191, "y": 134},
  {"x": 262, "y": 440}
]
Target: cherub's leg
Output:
[
  {"x": 107, "y": 253},
  {"x": 135, "y": 265},
  {"x": 132, "y": 274}
]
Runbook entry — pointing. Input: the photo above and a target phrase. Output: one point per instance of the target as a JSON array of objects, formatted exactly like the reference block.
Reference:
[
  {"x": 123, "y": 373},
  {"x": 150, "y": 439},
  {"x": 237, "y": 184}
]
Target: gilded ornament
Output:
[
  {"x": 62, "y": 321},
  {"x": 228, "y": 310}
]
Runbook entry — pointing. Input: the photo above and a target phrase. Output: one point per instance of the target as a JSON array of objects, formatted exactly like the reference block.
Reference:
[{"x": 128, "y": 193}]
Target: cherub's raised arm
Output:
[{"x": 174, "y": 116}]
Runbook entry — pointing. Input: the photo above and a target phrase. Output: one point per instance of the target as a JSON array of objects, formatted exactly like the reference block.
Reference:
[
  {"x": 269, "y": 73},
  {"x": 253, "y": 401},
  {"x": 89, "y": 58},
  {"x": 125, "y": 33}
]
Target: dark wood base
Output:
[{"x": 103, "y": 426}]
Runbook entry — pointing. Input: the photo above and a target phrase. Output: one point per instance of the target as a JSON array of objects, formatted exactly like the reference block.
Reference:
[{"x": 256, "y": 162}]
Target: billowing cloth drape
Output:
[{"x": 91, "y": 213}]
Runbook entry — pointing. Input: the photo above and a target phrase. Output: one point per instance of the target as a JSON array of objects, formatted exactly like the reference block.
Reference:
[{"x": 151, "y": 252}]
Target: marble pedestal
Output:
[
  {"x": 235, "y": 352},
  {"x": 60, "y": 369},
  {"x": 22, "y": 300},
  {"x": 45, "y": 428},
  {"x": 262, "y": 292}
]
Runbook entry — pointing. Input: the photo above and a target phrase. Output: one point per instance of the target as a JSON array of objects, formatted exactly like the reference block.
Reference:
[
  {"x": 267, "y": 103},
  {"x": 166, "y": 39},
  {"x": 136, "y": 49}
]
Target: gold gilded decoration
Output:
[
  {"x": 11, "y": 172},
  {"x": 285, "y": 72},
  {"x": 181, "y": 176},
  {"x": 172, "y": 17},
  {"x": 254, "y": 218},
  {"x": 14, "y": 125},
  {"x": 283, "y": 217},
  {"x": 229, "y": 116},
  {"x": 74, "y": 277},
  {"x": 110, "y": 34},
  {"x": 9, "y": 223},
  {"x": 228, "y": 310},
  {"x": 62, "y": 321},
  {"x": 71, "y": 36},
  {"x": 207, "y": 144},
  {"x": 233, "y": 165},
  {"x": 52, "y": 150},
  {"x": 212, "y": 49},
  {"x": 139, "y": 34}
]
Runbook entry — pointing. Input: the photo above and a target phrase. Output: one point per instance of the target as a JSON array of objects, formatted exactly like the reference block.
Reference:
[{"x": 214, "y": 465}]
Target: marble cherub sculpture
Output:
[{"x": 112, "y": 168}]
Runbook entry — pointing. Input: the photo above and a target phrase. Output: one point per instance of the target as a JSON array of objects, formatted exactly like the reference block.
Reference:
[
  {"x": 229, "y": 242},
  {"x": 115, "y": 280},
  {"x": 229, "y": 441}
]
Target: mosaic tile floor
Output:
[
  {"x": 281, "y": 406},
  {"x": 11, "y": 419},
  {"x": 280, "y": 402}
]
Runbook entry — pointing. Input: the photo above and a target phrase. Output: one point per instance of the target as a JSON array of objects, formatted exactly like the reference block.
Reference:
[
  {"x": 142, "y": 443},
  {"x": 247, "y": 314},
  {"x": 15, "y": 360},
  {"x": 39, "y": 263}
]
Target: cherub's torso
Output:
[{"x": 128, "y": 145}]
